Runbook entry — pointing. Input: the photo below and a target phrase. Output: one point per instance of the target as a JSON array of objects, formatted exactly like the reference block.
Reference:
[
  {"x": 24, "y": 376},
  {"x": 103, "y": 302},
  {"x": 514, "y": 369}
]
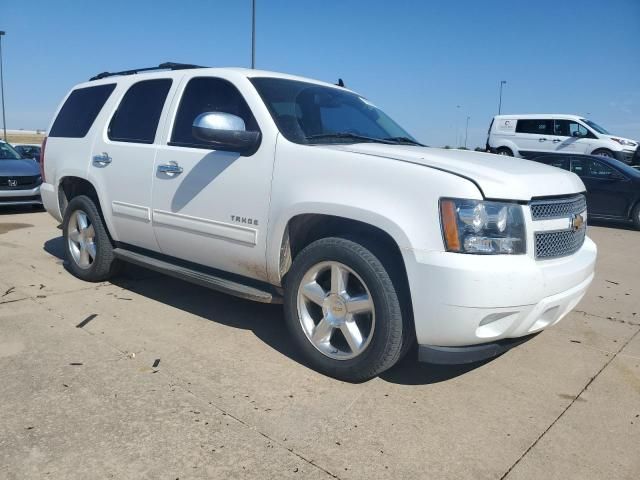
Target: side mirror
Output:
[
  {"x": 224, "y": 131},
  {"x": 576, "y": 133}
]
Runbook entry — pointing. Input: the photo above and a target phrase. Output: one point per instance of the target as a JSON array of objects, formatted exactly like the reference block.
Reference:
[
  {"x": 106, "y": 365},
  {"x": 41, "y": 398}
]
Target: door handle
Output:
[
  {"x": 102, "y": 160},
  {"x": 556, "y": 140},
  {"x": 542, "y": 139},
  {"x": 170, "y": 169}
]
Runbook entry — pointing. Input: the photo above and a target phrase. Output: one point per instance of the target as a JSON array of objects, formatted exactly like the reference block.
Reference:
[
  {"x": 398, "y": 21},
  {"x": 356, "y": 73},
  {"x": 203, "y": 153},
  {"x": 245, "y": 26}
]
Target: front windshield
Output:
[
  {"x": 595, "y": 126},
  {"x": 308, "y": 113},
  {"x": 7, "y": 152}
]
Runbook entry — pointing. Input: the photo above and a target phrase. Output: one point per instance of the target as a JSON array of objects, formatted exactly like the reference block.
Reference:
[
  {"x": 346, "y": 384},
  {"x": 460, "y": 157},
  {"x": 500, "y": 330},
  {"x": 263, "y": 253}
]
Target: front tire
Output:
[
  {"x": 603, "y": 152},
  {"x": 88, "y": 248},
  {"x": 504, "y": 151},
  {"x": 343, "y": 310},
  {"x": 635, "y": 216}
]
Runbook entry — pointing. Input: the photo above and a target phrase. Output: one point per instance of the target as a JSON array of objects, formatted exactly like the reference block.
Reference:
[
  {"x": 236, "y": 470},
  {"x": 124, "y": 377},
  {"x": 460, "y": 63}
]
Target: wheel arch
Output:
[{"x": 71, "y": 186}]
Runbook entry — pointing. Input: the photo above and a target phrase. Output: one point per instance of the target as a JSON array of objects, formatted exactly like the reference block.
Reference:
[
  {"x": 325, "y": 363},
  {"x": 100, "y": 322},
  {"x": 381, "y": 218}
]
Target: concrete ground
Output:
[{"x": 150, "y": 377}]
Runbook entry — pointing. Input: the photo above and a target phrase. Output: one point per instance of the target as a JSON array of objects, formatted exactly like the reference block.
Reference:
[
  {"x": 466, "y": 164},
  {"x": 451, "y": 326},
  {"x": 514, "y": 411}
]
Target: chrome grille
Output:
[
  {"x": 19, "y": 182},
  {"x": 558, "y": 208},
  {"x": 567, "y": 241},
  {"x": 559, "y": 243}
]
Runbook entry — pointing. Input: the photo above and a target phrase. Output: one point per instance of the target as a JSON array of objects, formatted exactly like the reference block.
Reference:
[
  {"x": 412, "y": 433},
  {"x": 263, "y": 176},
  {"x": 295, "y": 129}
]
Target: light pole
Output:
[
  {"x": 253, "y": 33},
  {"x": 502, "y": 82},
  {"x": 456, "y": 144},
  {"x": 4, "y": 119},
  {"x": 466, "y": 132}
]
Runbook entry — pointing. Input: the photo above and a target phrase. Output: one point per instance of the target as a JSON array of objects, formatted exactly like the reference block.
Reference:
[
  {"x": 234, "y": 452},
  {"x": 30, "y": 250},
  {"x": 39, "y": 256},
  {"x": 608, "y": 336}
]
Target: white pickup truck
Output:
[{"x": 278, "y": 188}]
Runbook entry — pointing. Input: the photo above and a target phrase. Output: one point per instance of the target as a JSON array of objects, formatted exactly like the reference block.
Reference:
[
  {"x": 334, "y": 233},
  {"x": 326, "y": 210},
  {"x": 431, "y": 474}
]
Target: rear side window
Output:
[
  {"x": 559, "y": 162},
  {"x": 208, "y": 94},
  {"x": 80, "y": 110},
  {"x": 138, "y": 114},
  {"x": 540, "y": 127}
]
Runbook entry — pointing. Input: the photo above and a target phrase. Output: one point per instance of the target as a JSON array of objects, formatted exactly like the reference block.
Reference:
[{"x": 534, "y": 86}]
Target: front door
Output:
[
  {"x": 570, "y": 137},
  {"x": 123, "y": 158},
  {"x": 606, "y": 195},
  {"x": 211, "y": 207}
]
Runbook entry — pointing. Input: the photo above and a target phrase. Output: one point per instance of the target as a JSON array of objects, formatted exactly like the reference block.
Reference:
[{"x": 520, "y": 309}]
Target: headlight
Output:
[
  {"x": 475, "y": 226},
  {"x": 622, "y": 141}
]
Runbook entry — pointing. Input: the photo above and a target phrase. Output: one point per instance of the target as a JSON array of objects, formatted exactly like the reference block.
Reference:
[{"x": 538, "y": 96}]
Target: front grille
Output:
[
  {"x": 21, "y": 183},
  {"x": 559, "y": 243},
  {"x": 558, "y": 208}
]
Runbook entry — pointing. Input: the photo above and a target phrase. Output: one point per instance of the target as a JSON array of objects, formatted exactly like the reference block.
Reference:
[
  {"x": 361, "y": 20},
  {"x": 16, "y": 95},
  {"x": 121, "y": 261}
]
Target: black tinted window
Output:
[
  {"x": 138, "y": 114},
  {"x": 559, "y": 162},
  {"x": 205, "y": 94},
  {"x": 586, "y": 167},
  {"x": 80, "y": 110},
  {"x": 541, "y": 127}
]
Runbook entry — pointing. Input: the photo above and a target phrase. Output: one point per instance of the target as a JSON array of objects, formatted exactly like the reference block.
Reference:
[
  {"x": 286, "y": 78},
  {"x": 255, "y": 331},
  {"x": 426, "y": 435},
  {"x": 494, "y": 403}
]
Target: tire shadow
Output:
[{"x": 266, "y": 321}]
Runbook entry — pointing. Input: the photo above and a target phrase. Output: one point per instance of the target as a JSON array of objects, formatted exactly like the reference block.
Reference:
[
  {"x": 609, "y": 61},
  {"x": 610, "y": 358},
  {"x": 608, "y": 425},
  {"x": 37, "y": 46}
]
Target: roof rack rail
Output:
[{"x": 162, "y": 66}]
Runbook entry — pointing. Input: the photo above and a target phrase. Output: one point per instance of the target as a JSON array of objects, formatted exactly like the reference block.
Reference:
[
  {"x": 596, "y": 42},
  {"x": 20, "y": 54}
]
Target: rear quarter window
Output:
[{"x": 80, "y": 111}]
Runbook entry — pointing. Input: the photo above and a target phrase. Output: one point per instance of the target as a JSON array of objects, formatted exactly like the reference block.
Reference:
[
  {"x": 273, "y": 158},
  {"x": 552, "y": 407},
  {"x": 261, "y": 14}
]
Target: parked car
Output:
[
  {"x": 19, "y": 178},
  {"x": 28, "y": 151},
  {"x": 528, "y": 136},
  {"x": 278, "y": 188},
  {"x": 613, "y": 187}
]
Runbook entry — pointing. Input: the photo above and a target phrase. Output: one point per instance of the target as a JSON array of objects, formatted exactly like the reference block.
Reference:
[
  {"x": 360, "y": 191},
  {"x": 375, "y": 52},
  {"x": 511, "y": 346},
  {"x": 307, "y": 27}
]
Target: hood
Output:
[
  {"x": 497, "y": 176},
  {"x": 19, "y": 168}
]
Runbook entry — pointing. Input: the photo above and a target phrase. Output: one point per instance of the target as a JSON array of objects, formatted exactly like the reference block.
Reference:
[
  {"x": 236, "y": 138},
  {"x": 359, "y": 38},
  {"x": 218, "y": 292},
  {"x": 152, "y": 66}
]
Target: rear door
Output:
[
  {"x": 570, "y": 136},
  {"x": 123, "y": 157},
  {"x": 606, "y": 195},
  {"x": 534, "y": 136}
]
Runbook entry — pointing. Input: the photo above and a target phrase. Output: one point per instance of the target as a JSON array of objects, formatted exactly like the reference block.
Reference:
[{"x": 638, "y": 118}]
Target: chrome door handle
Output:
[
  {"x": 542, "y": 139},
  {"x": 171, "y": 169},
  {"x": 556, "y": 140},
  {"x": 102, "y": 160}
]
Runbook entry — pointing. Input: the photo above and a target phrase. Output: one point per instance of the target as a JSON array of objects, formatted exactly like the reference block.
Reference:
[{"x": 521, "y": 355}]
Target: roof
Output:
[
  {"x": 166, "y": 71},
  {"x": 565, "y": 116}
]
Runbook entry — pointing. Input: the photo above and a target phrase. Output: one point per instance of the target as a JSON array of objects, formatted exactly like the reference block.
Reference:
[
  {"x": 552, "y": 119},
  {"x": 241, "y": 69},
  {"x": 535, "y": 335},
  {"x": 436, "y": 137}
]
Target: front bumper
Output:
[
  {"x": 461, "y": 300},
  {"x": 626, "y": 156},
  {"x": 20, "y": 197}
]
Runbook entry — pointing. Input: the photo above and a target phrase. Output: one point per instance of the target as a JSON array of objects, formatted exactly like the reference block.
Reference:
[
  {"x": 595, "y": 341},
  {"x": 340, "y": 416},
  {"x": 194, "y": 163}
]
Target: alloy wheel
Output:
[
  {"x": 81, "y": 238},
  {"x": 336, "y": 310}
]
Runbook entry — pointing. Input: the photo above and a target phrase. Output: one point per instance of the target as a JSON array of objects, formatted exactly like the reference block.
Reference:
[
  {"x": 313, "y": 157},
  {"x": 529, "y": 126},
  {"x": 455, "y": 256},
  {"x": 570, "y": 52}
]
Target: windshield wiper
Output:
[
  {"x": 349, "y": 136},
  {"x": 407, "y": 140}
]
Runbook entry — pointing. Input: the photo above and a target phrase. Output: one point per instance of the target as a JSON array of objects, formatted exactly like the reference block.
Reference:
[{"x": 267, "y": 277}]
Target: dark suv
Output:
[{"x": 613, "y": 187}]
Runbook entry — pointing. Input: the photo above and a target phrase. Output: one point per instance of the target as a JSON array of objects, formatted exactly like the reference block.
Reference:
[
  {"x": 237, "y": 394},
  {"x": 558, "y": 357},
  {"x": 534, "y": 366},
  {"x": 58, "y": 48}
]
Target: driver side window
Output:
[
  {"x": 208, "y": 94},
  {"x": 569, "y": 128}
]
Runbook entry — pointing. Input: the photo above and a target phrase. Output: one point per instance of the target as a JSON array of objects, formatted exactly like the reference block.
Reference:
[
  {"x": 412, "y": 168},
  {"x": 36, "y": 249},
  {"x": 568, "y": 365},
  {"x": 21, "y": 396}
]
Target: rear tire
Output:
[
  {"x": 635, "y": 216},
  {"x": 603, "y": 152},
  {"x": 88, "y": 248},
  {"x": 504, "y": 151},
  {"x": 336, "y": 287}
]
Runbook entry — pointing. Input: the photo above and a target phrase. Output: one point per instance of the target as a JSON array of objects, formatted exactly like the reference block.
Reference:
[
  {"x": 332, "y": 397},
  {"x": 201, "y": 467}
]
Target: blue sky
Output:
[{"x": 417, "y": 60}]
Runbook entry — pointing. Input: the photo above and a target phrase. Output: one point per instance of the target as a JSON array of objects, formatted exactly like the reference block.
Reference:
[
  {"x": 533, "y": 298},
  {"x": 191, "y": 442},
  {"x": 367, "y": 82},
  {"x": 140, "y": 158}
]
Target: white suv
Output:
[
  {"x": 277, "y": 188},
  {"x": 528, "y": 136}
]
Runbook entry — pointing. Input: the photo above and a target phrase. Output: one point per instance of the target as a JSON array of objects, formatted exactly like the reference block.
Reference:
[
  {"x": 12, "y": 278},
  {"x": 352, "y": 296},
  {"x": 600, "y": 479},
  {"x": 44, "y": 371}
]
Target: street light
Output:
[
  {"x": 502, "y": 82},
  {"x": 466, "y": 132},
  {"x": 253, "y": 34},
  {"x": 4, "y": 119},
  {"x": 457, "y": 142}
]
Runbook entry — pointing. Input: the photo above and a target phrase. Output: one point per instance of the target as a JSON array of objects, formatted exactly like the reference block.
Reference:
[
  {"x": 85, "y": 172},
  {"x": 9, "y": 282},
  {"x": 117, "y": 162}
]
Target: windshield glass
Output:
[
  {"x": 595, "y": 126},
  {"x": 7, "y": 152},
  {"x": 307, "y": 113}
]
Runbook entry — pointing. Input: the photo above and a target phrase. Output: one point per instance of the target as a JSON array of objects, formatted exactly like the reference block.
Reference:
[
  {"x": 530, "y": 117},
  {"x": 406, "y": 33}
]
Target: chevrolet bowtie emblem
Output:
[{"x": 576, "y": 221}]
